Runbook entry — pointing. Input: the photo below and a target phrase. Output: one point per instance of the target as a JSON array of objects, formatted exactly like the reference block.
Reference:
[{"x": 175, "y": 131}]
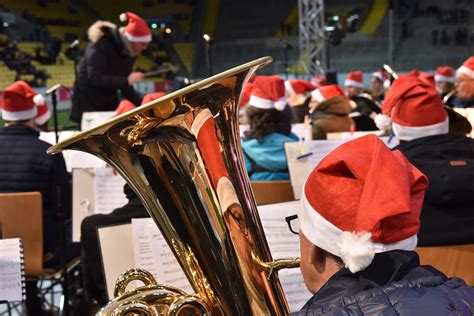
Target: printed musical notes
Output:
[{"x": 11, "y": 270}]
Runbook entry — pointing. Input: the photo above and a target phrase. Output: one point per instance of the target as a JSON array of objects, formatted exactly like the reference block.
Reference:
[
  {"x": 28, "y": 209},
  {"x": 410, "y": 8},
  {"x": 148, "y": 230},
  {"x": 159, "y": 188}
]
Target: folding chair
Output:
[
  {"x": 21, "y": 216},
  {"x": 269, "y": 192}
]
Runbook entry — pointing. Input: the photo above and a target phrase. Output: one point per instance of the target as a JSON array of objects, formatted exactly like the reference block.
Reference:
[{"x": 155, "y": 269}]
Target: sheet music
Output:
[
  {"x": 91, "y": 119},
  {"x": 300, "y": 168},
  {"x": 284, "y": 244},
  {"x": 11, "y": 270},
  {"x": 153, "y": 253},
  {"x": 108, "y": 190}
]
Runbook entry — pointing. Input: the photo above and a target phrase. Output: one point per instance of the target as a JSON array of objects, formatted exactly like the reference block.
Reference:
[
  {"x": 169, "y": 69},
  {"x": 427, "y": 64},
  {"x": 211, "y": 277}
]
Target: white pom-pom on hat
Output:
[
  {"x": 383, "y": 122},
  {"x": 123, "y": 17},
  {"x": 39, "y": 99},
  {"x": 356, "y": 250}
]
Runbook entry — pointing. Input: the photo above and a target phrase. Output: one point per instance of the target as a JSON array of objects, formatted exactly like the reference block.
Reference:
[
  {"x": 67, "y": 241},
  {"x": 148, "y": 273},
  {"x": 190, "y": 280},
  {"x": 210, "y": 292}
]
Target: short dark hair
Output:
[{"x": 266, "y": 121}]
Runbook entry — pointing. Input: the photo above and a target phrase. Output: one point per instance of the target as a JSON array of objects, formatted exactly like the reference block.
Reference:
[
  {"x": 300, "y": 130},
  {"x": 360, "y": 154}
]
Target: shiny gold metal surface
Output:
[{"x": 181, "y": 154}]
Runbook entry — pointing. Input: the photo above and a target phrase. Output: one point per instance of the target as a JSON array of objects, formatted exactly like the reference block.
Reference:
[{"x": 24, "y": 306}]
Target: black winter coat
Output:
[
  {"x": 447, "y": 216},
  {"x": 394, "y": 284},
  {"x": 25, "y": 167},
  {"x": 103, "y": 71}
]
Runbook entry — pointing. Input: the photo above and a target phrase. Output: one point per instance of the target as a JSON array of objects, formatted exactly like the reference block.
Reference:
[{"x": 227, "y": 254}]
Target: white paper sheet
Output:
[
  {"x": 108, "y": 190},
  {"x": 285, "y": 244},
  {"x": 153, "y": 254},
  {"x": 11, "y": 265}
]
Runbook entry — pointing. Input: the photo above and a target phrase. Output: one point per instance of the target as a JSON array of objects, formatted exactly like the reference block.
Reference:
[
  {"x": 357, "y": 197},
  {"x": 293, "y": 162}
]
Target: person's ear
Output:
[{"x": 317, "y": 258}]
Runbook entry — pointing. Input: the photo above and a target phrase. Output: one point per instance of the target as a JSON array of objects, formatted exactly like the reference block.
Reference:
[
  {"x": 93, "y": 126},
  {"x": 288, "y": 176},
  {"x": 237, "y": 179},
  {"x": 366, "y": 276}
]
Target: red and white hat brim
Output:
[
  {"x": 355, "y": 249},
  {"x": 466, "y": 70},
  {"x": 353, "y": 83},
  {"x": 19, "y": 115},
  {"x": 289, "y": 88},
  {"x": 317, "y": 96},
  {"x": 408, "y": 133},
  {"x": 137, "y": 39},
  {"x": 42, "y": 119},
  {"x": 442, "y": 78},
  {"x": 266, "y": 104}
]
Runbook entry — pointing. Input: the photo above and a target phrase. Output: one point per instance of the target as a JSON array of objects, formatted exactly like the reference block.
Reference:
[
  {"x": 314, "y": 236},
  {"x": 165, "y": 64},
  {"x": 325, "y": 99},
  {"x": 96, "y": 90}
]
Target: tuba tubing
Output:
[{"x": 181, "y": 155}]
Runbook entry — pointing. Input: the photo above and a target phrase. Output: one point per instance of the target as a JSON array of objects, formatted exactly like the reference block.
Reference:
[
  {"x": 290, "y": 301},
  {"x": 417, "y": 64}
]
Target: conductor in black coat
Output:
[{"x": 106, "y": 67}]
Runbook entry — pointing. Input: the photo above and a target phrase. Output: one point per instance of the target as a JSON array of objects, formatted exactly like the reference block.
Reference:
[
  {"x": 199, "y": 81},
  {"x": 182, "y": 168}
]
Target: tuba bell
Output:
[{"x": 181, "y": 154}]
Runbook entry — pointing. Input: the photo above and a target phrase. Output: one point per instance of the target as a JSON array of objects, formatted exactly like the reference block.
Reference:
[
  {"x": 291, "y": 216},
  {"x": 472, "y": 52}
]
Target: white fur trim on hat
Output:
[
  {"x": 137, "y": 39},
  {"x": 387, "y": 83},
  {"x": 408, "y": 133},
  {"x": 40, "y": 120},
  {"x": 383, "y": 122},
  {"x": 199, "y": 121},
  {"x": 317, "y": 96},
  {"x": 123, "y": 17},
  {"x": 39, "y": 99},
  {"x": 466, "y": 70},
  {"x": 226, "y": 193},
  {"x": 356, "y": 250},
  {"x": 378, "y": 75},
  {"x": 353, "y": 83},
  {"x": 442, "y": 78},
  {"x": 267, "y": 104},
  {"x": 289, "y": 88},
  {"x": 19, "y": 115}
]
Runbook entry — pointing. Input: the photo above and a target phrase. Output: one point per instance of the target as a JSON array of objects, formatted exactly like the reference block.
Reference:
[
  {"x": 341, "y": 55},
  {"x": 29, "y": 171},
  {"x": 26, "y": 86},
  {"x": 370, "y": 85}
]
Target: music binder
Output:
[{"x": 12, "y": 270}]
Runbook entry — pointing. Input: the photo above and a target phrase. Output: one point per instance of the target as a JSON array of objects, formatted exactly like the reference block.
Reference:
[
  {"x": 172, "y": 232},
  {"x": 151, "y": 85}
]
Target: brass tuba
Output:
[{"x": 181, "y": 154}]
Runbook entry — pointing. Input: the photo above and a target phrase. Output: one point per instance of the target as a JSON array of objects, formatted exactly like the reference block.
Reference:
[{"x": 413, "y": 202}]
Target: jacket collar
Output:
[{"x": 18, "y": 130}]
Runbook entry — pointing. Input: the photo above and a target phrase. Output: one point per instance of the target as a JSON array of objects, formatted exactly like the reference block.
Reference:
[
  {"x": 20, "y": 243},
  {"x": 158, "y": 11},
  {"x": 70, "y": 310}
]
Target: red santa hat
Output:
[
  {"x": 20, "y": 102},
  {"x": 268, "y": 92},
  {"x": 43, "y": 114},
  {"x": 354, "y": 79},
  {"x": 319, "y": 81},
  {"x": 125, "y": 105},
  {"x": 298, "y": 86},
  {"x": 381, "y": 75},
  {"x": 413, "y": 108},
  {"x": 444, "y": 74},
  {"x": 467, "y": 67},
  {"x": 136, "y": 30},
  {"x": 204, "y": 129},
  {"x": 246, "y": 92},
  {"x": 326, "y": 92},
  {"x": 350, "y": 210}
]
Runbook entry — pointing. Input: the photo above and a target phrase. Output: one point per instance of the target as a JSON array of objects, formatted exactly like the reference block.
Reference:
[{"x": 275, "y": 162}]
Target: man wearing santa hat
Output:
[
  {"x": 418, "y": 118},
  {"x": 358, "y": 226},
  {"x": 377, "y": 80},
  {"x": 444, "y": 79},
  {"x": 106, "y": 66},
  {"x": 26, "y": 167},
  {"x": 329, "y": 111},
  {"x": 464, "y": 84}
]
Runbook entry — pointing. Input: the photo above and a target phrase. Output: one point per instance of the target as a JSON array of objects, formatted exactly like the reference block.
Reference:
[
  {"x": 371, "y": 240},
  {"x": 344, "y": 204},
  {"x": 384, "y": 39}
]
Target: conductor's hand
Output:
[{"x": 135, "y": 77}]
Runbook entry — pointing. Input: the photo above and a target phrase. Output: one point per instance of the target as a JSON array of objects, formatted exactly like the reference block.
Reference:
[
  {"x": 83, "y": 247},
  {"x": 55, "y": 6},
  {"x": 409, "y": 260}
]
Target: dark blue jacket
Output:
[
  {"x": 394, "y": 284},
  {"x": 25, "y": 167},
  {"x": 447, "y": 216}
]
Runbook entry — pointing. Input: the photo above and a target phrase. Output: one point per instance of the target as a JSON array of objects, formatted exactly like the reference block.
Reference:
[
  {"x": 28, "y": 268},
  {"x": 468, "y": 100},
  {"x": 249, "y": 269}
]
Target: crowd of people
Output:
[{"x": 364, "y": 207}]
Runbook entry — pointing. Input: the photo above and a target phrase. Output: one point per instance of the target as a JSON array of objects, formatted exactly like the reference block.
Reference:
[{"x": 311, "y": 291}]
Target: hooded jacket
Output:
[{"x": 103, "y": 71}]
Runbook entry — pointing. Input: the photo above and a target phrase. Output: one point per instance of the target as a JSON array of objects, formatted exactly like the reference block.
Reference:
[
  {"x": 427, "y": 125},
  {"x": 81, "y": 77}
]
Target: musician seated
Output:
[
  {"x": 93, "y": 277},
  {"x": 357, "y": 227},
  {"x": 364, "y": 109},
  {"x": 419, "y": 120},
  {"x": 464, "y": 84},
  {"x": 269, "y": 118},
  {"x": 329, "y": 111}
]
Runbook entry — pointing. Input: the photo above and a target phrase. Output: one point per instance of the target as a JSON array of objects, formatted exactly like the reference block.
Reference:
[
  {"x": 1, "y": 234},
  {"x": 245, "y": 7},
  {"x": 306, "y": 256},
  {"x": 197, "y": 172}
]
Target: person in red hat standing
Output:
[
  {"x": 358, "y": 224},
  {"x": 26, "y": 167},
  {"x": 106, "y": 67},
  {"x": 269, "y": 118},
  {"x": 464, "y": 84},
  {"x": 329, "y": 111},
  {"x": 419, "y": 119}
]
